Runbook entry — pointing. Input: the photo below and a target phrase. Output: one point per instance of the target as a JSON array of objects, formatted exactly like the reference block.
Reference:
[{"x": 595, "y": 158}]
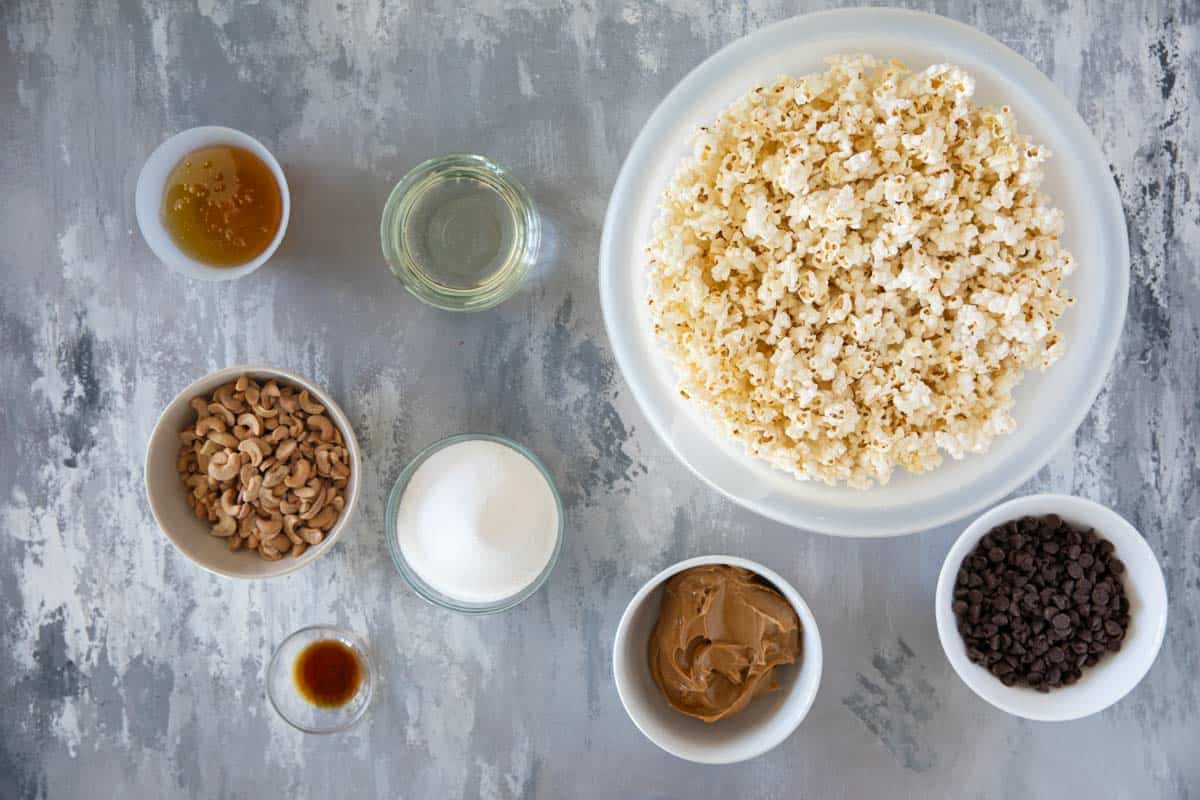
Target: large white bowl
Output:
[
  {"x": 1049, "y": 406},
  {"x": 149, "y": 193},
  {"x": 1117, "y": 673},
  {"x": 763, "y": 724},
  {"x": 168, "y": 495}
]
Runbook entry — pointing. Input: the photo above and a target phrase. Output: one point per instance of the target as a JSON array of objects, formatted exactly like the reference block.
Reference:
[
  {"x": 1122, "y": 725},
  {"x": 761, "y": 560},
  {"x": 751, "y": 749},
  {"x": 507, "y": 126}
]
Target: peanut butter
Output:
[{"x": 720, "y": 634}]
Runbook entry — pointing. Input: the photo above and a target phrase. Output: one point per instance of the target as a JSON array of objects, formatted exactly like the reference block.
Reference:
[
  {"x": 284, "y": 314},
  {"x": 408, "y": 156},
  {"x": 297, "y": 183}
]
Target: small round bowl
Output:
[
  {"x": 763, "y": 724},
  {"x": 403, "y": 256},
  {"x": 300, "y": 713},
  {"x": 427, "y": 592},
  {"x": 168, "y": 495},
  {"x": 149, "y": 194},
  {"x": 1116, "y": 673}
]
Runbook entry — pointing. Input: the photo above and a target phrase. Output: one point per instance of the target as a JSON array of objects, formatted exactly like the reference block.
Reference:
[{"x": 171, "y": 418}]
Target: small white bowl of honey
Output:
[{"x": 212, "y": 203}]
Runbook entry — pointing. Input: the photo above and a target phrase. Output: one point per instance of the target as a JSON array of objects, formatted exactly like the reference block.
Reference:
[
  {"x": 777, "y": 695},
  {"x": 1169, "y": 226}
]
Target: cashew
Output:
[
  {"x": 299, "y": 474},
  {"x": 308, "y": 405},
  {"x": 311, "y": 535},
  {"x": 225, "y": 397},
  {"x": 287, "y": 506},
  {"x": 322, "y": 456},
  {"x": 298, "y": 549},
  {"x": 269, "y": 501},
  {"x": 251, "y": 394},
  {"x": 223, "y": 466},
  {"x": 187, "y": 436},
  {"x": 226, "y": 526},
  {"x": 325, "y": 519},
  {"x": 267, "y": 412},
  {"x": 275, "y": 475},
  {"x": 315, "y": 506},
  {"x": 200, "y": 406},
  {"x": 306, "y": 492},
  {"x": 218, "y": 410},
  {"x": 281, "y": 543},
  {"x": 323, "y": 425},
  {"x": 257, "y": 449},
  {"x": 338, "y": 502},
  {"x": 223, "y": 439},
  {"x": 267, "y": 528},
  {"x": 267, "y": 463},
  {"x": 269, "y": 553},
  {"x": 278, "y": 433},
  {"x": 245, "y": 511},
  {"x": 289, "y": 403},
  {"x": 252, "y": 541},
  {"x": 251, "y": 488},
  {"x": 289, "y": 528},
  {"x": 209, "y": 424},
  {"x": 229, "y": 504},
  {"x": 208, "y": 448},
  {"x": 245, "y": 474},
  {"x": 252, "y": 422},
  {"x": 242, "y": 383},
  {"x": 236, "y": 542},
  {"x": 285, "y": 448}
]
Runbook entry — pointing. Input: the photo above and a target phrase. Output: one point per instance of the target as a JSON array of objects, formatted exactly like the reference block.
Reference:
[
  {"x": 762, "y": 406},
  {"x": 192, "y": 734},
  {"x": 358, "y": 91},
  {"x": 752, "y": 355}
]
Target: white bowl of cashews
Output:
[{"x": 248, "y": 479}]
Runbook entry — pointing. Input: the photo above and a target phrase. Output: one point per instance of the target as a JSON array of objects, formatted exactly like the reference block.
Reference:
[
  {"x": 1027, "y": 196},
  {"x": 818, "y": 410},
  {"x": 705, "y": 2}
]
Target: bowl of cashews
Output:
[{"x": 252, "y": 472}]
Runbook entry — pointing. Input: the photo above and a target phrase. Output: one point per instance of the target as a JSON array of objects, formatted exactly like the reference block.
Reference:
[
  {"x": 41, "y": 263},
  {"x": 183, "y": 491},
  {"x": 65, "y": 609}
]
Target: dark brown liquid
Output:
[
  {"x": 327, "y": 673},
  {"x": 222, "y": 205}
]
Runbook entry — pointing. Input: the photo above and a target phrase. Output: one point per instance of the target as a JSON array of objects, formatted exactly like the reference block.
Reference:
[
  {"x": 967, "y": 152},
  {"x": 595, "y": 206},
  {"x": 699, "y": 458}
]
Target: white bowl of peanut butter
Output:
[{"x": 717, "y": 670}]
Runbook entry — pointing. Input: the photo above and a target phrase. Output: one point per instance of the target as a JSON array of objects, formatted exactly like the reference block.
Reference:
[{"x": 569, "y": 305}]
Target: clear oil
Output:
[{"x": 460, "y": 231}]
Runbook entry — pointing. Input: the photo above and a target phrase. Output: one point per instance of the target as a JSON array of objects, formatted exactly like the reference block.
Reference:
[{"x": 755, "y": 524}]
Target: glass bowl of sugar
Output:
[{"x": 475, "y": 524}]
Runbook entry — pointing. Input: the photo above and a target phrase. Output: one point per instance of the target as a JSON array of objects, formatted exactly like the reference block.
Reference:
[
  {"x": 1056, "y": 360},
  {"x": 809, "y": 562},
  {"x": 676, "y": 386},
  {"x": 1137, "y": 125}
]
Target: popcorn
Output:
[{"x": 853, "y": 270}]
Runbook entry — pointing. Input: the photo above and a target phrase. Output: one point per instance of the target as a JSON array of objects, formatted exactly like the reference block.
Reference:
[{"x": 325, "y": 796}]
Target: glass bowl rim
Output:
[
  {"x": 423, "y": 589},
  {"x": 346, "y": 637}
]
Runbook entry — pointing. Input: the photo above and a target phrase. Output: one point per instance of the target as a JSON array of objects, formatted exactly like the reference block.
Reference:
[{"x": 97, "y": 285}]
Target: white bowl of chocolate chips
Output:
[{"x": 1051, "y": 607}]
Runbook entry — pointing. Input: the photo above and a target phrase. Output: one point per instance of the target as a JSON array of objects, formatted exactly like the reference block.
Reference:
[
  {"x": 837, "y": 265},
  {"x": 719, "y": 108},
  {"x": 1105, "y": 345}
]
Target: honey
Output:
[
  {"x": 222, "y": 205},
  {"x": 327, "y": 673}
]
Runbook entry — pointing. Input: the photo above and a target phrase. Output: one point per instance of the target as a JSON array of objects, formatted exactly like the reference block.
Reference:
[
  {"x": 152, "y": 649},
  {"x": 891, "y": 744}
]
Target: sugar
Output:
[{"x": 478, "y": 521}]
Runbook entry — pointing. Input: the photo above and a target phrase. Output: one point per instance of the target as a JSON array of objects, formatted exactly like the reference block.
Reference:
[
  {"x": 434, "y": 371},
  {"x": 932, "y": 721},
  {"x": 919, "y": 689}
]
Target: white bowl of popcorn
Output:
[
  {"x": 740, "y": 335},
  {"x": 252, "y": 472}
]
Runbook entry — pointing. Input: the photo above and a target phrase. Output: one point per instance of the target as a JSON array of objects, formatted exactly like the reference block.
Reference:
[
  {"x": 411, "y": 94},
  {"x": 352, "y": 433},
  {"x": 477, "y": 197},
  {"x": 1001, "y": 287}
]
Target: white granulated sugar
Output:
[{"x": 478, "y": 522}]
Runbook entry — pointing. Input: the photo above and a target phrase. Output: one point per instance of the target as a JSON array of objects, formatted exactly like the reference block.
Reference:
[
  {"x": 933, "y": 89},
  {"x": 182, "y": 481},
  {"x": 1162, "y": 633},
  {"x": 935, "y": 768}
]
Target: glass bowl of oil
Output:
[
  {"x": 212, "y": 203},
  {"x": 460, "y": 233},
  {"x": 320, "y": 679}
]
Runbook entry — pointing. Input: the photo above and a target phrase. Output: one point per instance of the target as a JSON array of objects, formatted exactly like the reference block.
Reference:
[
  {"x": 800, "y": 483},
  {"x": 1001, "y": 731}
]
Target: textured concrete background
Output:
[{"x": 125, "y": 671}]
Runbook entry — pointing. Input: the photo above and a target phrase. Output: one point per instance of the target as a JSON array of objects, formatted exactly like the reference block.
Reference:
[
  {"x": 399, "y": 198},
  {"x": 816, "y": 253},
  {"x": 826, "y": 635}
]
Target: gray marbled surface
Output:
[{"x": 125, "y": 671}]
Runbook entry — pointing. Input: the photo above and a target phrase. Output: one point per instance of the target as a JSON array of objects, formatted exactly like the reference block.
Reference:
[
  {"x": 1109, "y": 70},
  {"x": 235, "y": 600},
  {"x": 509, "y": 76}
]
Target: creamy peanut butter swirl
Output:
[{"x": 721, "y": 632}]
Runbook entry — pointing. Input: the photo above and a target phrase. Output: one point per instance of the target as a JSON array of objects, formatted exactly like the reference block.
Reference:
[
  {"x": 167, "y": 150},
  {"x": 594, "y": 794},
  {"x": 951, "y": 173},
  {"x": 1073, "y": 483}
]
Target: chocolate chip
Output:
[{"x": 1038, "y": 601}]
